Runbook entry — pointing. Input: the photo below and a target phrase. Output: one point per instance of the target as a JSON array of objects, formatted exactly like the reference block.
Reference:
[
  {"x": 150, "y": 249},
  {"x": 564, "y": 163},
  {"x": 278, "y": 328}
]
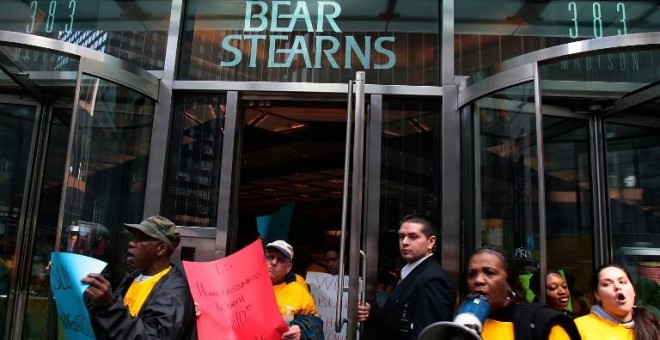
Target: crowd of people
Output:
[{"x": 155, "y": 301}]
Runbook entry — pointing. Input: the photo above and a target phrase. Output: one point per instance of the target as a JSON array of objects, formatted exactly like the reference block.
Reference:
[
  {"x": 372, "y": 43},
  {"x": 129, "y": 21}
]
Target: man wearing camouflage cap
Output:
[{"x": 154, "y": 301}]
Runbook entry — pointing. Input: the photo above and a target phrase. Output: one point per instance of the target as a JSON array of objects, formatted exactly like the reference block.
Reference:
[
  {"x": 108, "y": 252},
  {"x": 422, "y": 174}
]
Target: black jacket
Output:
[
  {"x": 535, "y": 321},
  {"x": 168, "y": 312},
  {"x": 425, "y": 296}
]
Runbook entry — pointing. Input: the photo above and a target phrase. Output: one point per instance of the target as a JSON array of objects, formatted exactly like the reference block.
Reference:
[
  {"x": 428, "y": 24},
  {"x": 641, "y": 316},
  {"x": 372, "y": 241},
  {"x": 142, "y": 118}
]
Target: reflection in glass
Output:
[
  {"x": 30, "y": 59},
  {"x": 105, "y": 181},
  {"x": 17, "y": 123},
  {"x": 568, "y": 198},
  {"x": 36, "y": 314},
  {"x": 507, "y": 170},
  {"x": 195, "y": 152},
  {"x": 135, "y": 31},
  {"x": 591, "y": 88},
  {"x": 633, "y": 160},
  {"x": 410, "y": 181},
  {"x": 503, "y": 29}
]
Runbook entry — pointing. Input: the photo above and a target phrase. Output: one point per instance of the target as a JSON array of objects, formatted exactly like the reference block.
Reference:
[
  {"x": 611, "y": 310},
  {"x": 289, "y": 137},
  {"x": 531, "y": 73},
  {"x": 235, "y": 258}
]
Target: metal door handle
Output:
[{"x": 339, "y": 322}]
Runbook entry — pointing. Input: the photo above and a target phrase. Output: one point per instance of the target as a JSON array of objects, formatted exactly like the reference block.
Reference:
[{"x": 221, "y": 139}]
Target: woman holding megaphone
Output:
[{"x": 492, "y": 274}]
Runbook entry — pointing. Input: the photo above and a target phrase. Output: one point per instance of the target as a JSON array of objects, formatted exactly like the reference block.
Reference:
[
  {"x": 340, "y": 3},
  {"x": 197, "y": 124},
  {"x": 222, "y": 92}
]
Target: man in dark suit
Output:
[{"x": 424, "y": 294}]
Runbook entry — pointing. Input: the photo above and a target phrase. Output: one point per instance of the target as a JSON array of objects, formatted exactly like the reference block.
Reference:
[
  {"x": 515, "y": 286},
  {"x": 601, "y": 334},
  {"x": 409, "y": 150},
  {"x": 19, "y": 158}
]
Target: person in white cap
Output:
[
  {"x": 294, "y": 300},
  {"x": 293, "y": 297}
]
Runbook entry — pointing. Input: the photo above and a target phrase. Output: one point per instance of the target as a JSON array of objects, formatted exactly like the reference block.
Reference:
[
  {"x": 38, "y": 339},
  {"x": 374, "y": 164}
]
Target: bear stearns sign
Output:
[{"x": 318, "y": 38}]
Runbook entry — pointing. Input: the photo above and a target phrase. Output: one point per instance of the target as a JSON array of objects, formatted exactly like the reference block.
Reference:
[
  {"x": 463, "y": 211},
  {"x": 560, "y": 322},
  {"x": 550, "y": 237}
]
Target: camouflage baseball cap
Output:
[{"x": 159, "y": 228}]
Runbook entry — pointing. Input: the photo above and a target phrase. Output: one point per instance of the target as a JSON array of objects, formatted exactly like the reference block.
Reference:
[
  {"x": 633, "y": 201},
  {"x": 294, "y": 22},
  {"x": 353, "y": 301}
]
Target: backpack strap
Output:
[{"x": 534, "y": 321}]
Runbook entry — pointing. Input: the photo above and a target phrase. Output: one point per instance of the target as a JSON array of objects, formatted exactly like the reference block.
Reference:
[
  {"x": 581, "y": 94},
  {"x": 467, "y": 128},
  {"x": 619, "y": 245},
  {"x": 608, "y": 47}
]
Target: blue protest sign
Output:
[
  {"x": 276, "y": 226},
  {"x": 67, "y": 269}
]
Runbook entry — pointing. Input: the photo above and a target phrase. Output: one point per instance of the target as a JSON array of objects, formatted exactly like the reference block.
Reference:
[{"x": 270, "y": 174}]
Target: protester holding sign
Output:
[
  {"x": 66, "y": 271},
  {"x": 293, "y": 299},
  {"x": 236, "y": 296},
  {"x": 152, "y": 303}
]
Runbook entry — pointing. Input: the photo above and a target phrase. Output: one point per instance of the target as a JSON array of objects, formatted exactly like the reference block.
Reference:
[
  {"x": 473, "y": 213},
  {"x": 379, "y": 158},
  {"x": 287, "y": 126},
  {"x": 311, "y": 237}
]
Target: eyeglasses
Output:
[{"x": 280, "y": 258}]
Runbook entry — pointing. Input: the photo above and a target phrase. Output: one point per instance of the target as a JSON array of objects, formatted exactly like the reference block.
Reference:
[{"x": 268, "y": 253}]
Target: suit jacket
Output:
[{"x": 425, "y": 296}]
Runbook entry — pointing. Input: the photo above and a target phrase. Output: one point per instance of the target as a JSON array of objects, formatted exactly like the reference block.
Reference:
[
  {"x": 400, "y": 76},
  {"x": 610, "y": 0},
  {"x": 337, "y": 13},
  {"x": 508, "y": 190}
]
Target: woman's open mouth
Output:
[{"x": 621, "y": 298}]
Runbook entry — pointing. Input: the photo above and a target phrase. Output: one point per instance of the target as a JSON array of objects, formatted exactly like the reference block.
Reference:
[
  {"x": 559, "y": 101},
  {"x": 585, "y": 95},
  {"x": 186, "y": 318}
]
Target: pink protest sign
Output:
[{"x": 236, "y": 297}]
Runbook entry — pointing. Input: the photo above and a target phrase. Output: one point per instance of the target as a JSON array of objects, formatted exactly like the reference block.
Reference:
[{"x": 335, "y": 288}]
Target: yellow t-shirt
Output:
[
  {"x": 499, "y": 330},
  {"x": 593, "y": 327},
  {"x": 296, "y": 296},
  {"x": 139, "y": 290}
]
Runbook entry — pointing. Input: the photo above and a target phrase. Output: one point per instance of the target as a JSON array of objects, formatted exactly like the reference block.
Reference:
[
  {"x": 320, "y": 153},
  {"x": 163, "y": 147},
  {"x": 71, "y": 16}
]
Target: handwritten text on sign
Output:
[
  {"x": 67, "y": 269},
  {"x": 324, "y": 291},
  {"x": 236, "y": 297}
]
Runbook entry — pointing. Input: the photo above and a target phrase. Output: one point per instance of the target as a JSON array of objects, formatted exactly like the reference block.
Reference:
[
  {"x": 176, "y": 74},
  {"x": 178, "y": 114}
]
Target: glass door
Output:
[
  {"x": 52, "y": 111},
  {"x": 292, "y": 170},
  {"x": 290, "y": 167},
  {"x": 37, "y": 90},
  {"x": 17, "y": 124},
  {"x": 632, "y": 144},
  {"x": 600, "y": 128}
]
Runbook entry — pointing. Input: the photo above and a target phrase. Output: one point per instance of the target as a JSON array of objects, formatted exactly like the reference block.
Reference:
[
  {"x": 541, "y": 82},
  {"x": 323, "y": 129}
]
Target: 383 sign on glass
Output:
[
  {"x": 598, "y": 19},
  {"x": 47, "y": 16},
  {"x": 597, "y": 16}
]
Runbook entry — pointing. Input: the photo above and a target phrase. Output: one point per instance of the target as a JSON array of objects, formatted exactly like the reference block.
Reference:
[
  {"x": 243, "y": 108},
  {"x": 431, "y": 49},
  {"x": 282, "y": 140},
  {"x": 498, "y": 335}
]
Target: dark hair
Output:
[
  {"x": 510, "y": 267},
  {"x": 646, "y": 323},
  {"x": 535, "y": 281},
  {"x": 428, "y": 226}
]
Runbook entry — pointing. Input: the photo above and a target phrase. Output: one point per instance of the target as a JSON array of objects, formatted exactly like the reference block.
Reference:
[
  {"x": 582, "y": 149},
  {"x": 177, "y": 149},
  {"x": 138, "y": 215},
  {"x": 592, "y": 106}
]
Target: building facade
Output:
[{"x": 525, "y": 124}]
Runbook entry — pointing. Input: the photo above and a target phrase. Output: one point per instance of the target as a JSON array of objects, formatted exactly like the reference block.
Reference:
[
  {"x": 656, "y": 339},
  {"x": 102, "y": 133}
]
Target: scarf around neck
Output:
[{"x": 600, "y": 312}]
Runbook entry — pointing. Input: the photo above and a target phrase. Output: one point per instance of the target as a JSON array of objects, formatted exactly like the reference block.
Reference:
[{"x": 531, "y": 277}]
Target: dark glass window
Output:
[
  {"x": 410, "y": 163},
  {"x": 193, "y": 171}
]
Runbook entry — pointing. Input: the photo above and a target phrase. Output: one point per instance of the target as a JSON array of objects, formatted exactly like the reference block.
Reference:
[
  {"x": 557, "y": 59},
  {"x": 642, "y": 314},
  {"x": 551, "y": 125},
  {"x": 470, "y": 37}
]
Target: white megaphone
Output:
[{"x": 467, "y": 324}]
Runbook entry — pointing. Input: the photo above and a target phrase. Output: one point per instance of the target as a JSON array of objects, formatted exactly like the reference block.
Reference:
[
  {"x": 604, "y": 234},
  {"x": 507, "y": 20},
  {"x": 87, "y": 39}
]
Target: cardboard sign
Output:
[
  {"x": 236, "y": 297},
  {"x": 324, "y": 291},
  {"x": 67, "y": 269}
]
